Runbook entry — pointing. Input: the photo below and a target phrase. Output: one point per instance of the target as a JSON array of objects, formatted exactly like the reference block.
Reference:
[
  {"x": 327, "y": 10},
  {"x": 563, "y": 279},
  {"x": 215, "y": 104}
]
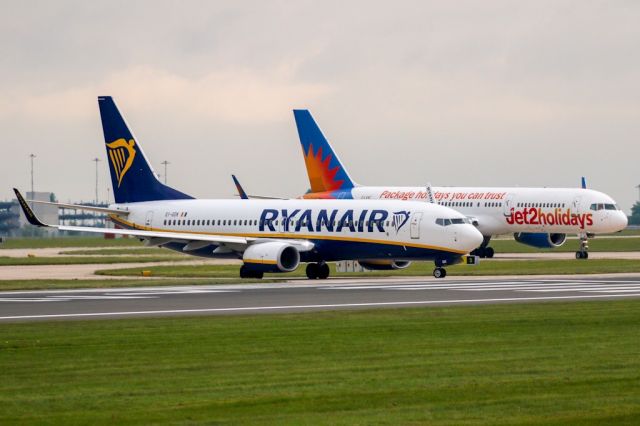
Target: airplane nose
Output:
[
  {"x": 471, "y": 238},
  {"x": 624, "y": 220}
]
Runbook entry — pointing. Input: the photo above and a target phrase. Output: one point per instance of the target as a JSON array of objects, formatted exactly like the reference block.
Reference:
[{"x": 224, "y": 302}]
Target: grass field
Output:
[
  {"x": 595, "y": 244},
  {"x": 486, "y": 267},
  {"x": 131, "y": 251},
  {"x": 18, "y": 243},
  {"x": 574, "y": 363},
  {"x": 78, "y": 260}
]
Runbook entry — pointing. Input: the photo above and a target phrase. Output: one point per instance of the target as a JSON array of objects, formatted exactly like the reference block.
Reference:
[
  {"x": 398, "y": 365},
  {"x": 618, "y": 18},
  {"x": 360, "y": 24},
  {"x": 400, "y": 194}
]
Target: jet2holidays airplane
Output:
[
  {"x": 268, "y": 235},
  {"x": 538, "y": 217}
]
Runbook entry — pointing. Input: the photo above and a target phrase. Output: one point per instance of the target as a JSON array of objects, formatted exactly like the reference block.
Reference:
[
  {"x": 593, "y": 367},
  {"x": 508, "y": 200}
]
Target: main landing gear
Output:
[
  {"x": 247, "y": 273},
  {"x": 317, "y": 271},
  {"x": 583, "y": 252},
  {"x": 484, "y": 251}
]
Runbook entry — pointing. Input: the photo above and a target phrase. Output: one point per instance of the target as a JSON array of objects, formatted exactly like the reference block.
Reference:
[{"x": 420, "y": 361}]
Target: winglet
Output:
[
  {"x": 29, "y": 214},
  {"x": 584, "y": 183},
  {"x": 241, "y": 192},
  {"x": 430, "y": 197}
]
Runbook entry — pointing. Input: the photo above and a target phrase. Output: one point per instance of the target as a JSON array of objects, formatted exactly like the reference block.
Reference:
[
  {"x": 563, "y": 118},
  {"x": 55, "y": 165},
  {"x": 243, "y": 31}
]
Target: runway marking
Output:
[
  {"x": 113, "y": 296},
  {"x": 337, "y": 305},
  {"x": 533, "y": 286}
]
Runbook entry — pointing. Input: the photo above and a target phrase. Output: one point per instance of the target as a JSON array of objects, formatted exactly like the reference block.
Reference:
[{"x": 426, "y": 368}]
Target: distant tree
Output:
[
  {"x": 52, "y": 197},
  {"x": 634, "y": 219}
]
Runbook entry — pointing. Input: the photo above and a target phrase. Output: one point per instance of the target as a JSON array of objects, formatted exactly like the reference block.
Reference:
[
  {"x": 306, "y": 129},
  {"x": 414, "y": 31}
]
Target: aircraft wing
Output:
[
  {"x": 163, "y": 237},
  {"x": 82, "y": 207}
]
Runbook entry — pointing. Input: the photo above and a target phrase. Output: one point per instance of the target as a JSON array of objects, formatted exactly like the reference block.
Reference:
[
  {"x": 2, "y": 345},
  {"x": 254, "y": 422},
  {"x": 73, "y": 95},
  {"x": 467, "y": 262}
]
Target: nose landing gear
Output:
[
  {"x": 439, "y": 272},
  {"x": 583, "y": 252}
]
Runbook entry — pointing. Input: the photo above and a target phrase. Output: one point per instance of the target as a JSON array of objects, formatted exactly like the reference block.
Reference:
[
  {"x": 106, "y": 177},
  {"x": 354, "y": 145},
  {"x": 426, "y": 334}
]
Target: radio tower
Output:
[
  {"x": 165, "y": 163},
  {"x": 96, "y": 160}
]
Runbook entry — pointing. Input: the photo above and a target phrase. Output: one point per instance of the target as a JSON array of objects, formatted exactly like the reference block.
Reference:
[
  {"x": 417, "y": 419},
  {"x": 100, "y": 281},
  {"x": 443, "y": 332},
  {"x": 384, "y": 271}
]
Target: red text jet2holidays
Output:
[
  {"x": 269, "y": 235},
  {"x": 539, "y": 217}
]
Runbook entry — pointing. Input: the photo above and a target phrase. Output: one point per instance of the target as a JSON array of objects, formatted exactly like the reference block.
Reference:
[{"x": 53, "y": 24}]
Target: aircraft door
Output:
[
  {"x": 576, "y": 206},
  {"x": 508, "y": 204},
  {"x": 148, "y": 219},
  {"x": 416, "y": 218}
]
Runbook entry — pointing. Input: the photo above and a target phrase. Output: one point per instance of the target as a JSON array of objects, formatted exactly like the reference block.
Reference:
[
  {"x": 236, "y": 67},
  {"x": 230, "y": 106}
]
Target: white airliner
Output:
[
  {"x": 269, "y": 235},
  {"x": 539, "y": 217}
]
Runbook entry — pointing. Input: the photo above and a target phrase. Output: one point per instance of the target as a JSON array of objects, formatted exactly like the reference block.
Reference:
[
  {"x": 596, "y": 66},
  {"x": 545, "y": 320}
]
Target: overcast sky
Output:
[{"x": 477, "y": 93}]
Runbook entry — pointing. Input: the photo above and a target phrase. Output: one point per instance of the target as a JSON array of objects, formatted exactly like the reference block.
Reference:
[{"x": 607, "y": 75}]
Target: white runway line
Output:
[{"x": 337, "y": 305}]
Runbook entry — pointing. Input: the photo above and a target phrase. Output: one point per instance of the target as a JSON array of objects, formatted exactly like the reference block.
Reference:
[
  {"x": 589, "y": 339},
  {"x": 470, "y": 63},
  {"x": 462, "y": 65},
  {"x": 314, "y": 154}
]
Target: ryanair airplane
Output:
[
  {"x": 538, "y": 217},
  {"x": 269, "y": 235}
]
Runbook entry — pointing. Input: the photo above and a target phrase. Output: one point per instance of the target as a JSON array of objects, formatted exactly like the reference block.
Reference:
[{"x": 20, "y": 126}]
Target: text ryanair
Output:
[{"x": 323, "y": 220}]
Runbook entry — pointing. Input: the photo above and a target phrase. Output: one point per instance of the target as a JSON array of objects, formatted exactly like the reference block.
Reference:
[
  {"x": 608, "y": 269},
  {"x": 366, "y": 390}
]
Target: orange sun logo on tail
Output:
[{"x": 321, "y": 176}]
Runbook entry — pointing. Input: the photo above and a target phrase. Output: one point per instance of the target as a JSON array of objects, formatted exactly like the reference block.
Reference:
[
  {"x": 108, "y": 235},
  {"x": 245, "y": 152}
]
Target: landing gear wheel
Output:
[
  {"x": 583, "y": 252},
  {"x": 246, "y": 273},
  {"x": 323, "y": 271},
  {"x": 439, "y": 272},
  {"x": 312, "y": 271},
  {"x": 243, "y": 272},
  {"x": 489, "y": 252}
]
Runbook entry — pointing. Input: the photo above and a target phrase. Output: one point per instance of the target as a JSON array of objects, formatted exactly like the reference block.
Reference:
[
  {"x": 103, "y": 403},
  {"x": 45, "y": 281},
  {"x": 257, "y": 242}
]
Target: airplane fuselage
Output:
[
  {"x": 359, "y": 229},
  {"x": 510, "y": 210}
]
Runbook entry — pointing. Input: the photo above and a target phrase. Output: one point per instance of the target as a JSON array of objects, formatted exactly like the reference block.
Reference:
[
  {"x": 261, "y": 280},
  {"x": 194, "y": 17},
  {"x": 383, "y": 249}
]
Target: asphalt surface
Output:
[{"x": 303, "y": 296}]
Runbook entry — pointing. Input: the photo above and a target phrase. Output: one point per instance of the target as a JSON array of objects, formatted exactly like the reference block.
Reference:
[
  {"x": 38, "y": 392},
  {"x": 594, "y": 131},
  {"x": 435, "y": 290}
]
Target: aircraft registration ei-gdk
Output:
[{"x": 268, "y": 235}]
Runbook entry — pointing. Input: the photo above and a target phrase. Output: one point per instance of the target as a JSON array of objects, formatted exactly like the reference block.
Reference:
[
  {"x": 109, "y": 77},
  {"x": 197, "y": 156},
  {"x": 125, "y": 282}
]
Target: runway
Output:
[{"x": 303, "y": 296}]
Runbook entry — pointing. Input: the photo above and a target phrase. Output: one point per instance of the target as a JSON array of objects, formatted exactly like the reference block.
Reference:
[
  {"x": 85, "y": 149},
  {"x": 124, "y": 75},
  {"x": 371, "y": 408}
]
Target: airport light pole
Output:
[
  {"x": 32, "y": 156},
  {"x": 165, "y": 163},
  {"x": 96, "y": 160}
]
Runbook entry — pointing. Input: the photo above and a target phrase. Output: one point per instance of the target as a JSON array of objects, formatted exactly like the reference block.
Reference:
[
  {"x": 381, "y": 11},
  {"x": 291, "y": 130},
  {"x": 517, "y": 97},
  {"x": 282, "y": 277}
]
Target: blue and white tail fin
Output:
[
  {"x": 326, "y": 172},
  {"x": 132, "y": 176}
]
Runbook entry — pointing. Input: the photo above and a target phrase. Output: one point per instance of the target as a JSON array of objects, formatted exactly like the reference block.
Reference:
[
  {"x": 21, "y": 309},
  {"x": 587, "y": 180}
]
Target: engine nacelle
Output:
[
  {"x": 271, "y": 257},
  {"x": 383, "y": 265},
  {"x": 540, "y": 240}
]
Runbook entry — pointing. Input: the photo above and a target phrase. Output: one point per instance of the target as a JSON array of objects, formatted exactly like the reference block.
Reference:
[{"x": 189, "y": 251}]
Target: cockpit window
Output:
[
  {"x": 603, "y": 206},
  {"x": 454, "y": 221}
]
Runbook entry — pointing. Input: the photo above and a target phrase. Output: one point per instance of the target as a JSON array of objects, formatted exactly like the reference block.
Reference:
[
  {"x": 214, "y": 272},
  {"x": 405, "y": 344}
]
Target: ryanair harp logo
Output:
[
  {"x": 399, "y": 219},
  {"x": 121, "y": 154}
]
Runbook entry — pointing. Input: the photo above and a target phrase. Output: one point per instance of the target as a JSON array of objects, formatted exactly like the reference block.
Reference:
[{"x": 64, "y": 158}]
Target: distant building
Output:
[{"x": 9, "y": 218}]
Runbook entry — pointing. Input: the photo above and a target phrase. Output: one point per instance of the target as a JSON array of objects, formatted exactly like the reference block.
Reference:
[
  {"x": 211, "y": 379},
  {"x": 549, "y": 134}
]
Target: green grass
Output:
[
  {"x": 77, "y": 260},
  {"x": 19, "y": 243},
  {"x": 486, "y": 267},
  {"x": 595, "y": 245},
  {"x": 574, "y": 363},
  {"x": 123, "y": 252}
]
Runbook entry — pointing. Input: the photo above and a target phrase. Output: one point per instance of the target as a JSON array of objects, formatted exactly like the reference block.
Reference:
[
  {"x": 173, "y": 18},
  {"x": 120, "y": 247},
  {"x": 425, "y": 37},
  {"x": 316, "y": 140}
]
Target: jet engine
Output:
[
  {"x": 271, "y": 257},
  {"x": 540, "y": 240}
]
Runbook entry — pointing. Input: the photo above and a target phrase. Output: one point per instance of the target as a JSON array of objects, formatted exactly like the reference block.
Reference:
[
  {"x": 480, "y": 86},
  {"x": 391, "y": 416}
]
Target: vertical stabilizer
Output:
[{"x": 132, "y": 176}]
